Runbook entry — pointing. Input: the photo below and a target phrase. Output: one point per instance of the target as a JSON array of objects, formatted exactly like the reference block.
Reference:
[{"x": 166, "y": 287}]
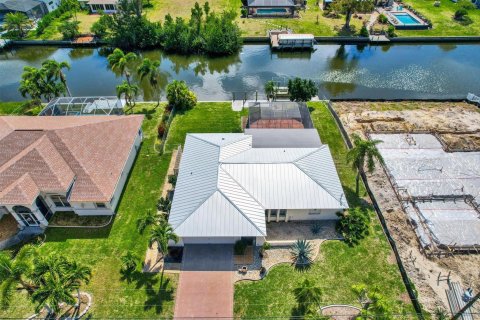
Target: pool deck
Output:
[{"x": 390, "y": 14}]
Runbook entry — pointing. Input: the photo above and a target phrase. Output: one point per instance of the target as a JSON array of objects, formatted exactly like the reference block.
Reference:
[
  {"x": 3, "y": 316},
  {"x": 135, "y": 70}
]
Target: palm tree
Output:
[
  {"x": 129, "y": 91},
  {"x": 308, "y": 297},
  {"x": 14, "y": 272},
  {"x": 270, "y": 89},
  {"x": 57, "y": 278},
  {"x": 149, "y": 69},
  {"x": 363, "y": 150},
  {"x": 118, "y": 60},
  {"x": 16, "y": 21},
  {"x": 162, "y": 234},
  {"x": 32, "y": 83},
  {"x": 129, "y": 261},
  {"x": 301, "y": 252},
  {"x": 147, "y": 220},
  {"x": 53, "y": 70}
]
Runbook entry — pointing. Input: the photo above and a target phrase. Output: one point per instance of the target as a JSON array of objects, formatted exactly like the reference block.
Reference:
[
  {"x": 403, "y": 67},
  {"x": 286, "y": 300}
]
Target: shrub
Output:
[
  {"x": 266, "y": 245},
  {"x": 180, "y": 97},
  {"x": 69, "y": 29},
  {"x": 240, "y": 247},
  {"x": 364, "y": 32},
  {"x": 244, "y": 12},
  {"x": 436, "y": 4},
  {"x": 460, "y": 14},
  {"x": 391, "y": 31},
  {"x": 315, "y": 228},
  {"x": 382, "y": 19},
  {"x": 172, "y": 180},
  {"x": 302, "y": 252},
  {"x": 301, "y": 89},
  {"x": 466, "y": 4},
  {"x": 353, "y": 225},
  {"x": 161, "y": 129}
]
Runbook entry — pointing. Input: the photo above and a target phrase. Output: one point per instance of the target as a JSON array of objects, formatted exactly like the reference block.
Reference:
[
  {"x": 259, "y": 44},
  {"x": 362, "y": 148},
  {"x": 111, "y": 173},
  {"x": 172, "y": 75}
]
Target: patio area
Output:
[
  {"x": 288, "y": 232},
  {"x": 8, "y": 227}
]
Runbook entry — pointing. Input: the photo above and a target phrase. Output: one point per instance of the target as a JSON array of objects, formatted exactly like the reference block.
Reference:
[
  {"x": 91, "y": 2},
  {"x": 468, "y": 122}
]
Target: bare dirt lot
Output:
[{"x": 458, "y": 127}]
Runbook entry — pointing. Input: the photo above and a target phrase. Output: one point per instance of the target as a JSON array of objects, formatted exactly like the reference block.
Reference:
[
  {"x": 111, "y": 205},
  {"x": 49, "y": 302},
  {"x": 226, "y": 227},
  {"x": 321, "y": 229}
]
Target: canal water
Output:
[{"x": 342, "y": 71}]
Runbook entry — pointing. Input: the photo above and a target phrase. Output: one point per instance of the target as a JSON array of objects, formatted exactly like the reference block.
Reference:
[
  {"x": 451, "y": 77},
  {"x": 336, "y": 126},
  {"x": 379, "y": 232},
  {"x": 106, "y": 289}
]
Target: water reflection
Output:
[{"x": 342, "y": 71}]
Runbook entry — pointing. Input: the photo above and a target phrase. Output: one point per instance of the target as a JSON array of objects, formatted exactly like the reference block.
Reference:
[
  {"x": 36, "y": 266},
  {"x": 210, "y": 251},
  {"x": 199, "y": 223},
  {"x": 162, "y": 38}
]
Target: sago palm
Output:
[
  {"x": 302, "y": 252},
  {"x": 119, "y": 61},
  {"x": 308, "y": 296},
  {"x": 129, "y": 261},
  {"x": 364, "y": 153}
]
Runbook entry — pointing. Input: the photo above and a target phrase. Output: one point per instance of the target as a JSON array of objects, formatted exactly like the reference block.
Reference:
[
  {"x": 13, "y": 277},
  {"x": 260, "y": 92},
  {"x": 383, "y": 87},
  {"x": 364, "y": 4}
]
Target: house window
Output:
[
  {"x": 282, "y": 213},
  {"x": 273, "y": 213},
  {"x": 60, "y": 201},
  {"x": 109, "y": 7},
  {"x": 266, "y": 213},
  {"x": 315, "y": 211},
  {"x": 100, "y": 205}
]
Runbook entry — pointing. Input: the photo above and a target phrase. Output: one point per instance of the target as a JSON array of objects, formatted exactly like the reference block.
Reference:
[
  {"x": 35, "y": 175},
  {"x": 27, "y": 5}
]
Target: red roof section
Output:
[{"x": 49, "y": 154}]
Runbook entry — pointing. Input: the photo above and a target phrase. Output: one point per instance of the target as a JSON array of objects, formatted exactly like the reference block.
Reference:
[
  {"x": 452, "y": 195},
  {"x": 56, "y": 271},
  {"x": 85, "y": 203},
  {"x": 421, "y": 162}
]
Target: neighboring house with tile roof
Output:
[
  {"x": 78, "y": 164},
  {"x": 228, "y": 189}
]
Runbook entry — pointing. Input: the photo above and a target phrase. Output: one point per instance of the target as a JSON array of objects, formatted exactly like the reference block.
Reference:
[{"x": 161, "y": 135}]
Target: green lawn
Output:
[
  {"x": 338, "y": 266},
  {"x": 113, "y": 297},
  {"x": 206, "y": 117},
  {"x": 442, "y": 20}
]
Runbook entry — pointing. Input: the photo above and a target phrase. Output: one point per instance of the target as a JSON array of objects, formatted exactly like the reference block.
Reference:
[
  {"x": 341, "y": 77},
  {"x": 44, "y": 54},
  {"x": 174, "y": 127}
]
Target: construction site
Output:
[{"x": 428, "y": 190}]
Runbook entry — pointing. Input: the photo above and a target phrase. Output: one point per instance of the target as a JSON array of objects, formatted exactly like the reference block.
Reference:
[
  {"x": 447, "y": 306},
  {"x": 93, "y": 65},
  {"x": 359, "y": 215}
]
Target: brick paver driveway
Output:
[{"x": 205, "y": 289}]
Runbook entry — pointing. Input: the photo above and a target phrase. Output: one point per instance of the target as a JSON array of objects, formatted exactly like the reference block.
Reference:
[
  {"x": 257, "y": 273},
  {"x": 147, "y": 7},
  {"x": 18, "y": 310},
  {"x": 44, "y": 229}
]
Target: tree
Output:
[
  {"x": 301, "y": 89},
  {"x": 270, "y": 89},
  {"x": 349, "y": 7},
  {"x": 129, "y": 261},
  {"x": 16, "y": 22},
  {"x": 460, "y": 14},
  {"x": 57, "y": 278},
  {"x": 69, "y": 29},
  {"x": 38, "y": 83},
  {"x": 374, "y": 305},
  {"x": 54, "y": 70},
  {"x": 150, "y": 218},
  {"x": 179, "y": 97},
  {"x": 149, "y": 69},
  {"x": 353, "y": 225},
  {"x": 129, "y": 91},
  {"x": 363, "y": 150},
  {"x": 301, "y": 253},
  {"x": 102, "y": 26},
  {"x": 119, "y": 61},
  {"x": 15, "y": 272},
  {"x": 161, "y": 234},
  {"x": 222, "y": 34},
  {"x": 308, "y": 297}
]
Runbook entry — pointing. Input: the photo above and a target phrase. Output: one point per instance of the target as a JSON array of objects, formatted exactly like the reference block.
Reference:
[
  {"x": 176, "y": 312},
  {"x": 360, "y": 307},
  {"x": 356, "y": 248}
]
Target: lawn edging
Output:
[{"x": 406, "y": 280}]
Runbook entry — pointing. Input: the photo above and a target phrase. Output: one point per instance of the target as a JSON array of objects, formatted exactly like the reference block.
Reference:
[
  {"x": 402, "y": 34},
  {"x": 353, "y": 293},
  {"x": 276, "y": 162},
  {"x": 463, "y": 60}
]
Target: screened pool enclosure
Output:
[{"x": 84, "y": 106}]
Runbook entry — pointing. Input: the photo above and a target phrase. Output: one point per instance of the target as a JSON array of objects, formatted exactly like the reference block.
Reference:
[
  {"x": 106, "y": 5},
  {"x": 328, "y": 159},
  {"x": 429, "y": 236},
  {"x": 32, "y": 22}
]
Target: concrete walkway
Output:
[{"x": 205, "y": 289}]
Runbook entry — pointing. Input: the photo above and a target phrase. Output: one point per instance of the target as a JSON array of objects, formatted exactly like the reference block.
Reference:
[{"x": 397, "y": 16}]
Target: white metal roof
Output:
[
  {"x": 224, "y": 185},
  {"x": 295, "y": 36}
]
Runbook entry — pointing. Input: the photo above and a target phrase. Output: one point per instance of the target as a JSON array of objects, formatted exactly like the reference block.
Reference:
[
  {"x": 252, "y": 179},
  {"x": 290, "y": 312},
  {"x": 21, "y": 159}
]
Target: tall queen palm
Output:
[
  {"x": 119, "y": 61},
  {"x": 363, "y": 151},
  {"x": 54, "y": 70}
]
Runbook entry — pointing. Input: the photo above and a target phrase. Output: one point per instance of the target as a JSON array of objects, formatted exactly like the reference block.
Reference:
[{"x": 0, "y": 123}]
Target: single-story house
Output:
[
  {"x": 228, "y": 186},
  {"x": 33, "y": 9},
  {"x": 78, "y": 164},
  {"x": 106, "y": 6},
  {"x": 272, "y": 8}
]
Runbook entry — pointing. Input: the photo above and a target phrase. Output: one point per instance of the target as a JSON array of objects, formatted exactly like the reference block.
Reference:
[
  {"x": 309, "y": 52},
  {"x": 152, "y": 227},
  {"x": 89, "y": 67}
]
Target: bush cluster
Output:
[
  {"x": 205, "y": 32},
  {"x": 65, "y": 10},
  {"x": 353, "y": 225}
]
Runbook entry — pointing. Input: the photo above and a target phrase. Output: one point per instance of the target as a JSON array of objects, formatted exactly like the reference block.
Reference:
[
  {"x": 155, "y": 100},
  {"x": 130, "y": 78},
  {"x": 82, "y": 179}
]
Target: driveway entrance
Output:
[{"x": 205, "y": 289}]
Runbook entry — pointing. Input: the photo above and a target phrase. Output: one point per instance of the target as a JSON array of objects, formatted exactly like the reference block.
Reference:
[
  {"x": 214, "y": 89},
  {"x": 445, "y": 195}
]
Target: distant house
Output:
[
  {"x": 229, "y": 186},
  {"x": 106, "y": 6},
  {"x": 78, "y": 164},
  {"x": 272, "y": 8},
  {"x": 34, "y": 9}
]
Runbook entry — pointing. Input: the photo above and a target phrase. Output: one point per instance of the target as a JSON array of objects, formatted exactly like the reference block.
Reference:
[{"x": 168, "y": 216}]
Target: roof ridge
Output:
[
  {"x": 15, "y": 183},
  {"x": 196, "y": 208},
  {"x": 238, "y": 183},
  {"x": 310, "y": 153},
  {"x": 241, "y": 212},
  {"x": 22, "y": 153},
  {"x": 321, "y": 185}
]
